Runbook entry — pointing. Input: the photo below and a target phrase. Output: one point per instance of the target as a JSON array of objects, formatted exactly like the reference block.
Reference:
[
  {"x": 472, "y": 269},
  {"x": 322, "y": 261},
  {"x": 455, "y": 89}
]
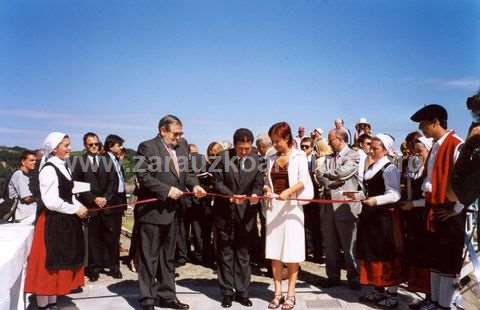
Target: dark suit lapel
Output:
[{"x": 236, "y": 169}]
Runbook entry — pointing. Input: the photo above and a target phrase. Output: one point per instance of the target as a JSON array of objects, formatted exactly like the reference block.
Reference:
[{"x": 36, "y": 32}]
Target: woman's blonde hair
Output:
[{"x": 322, "y": 148}]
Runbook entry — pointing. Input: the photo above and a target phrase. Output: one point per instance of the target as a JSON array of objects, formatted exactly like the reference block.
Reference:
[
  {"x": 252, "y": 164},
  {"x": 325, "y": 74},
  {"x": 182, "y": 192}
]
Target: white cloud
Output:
[{"x": 470, "y": 84}]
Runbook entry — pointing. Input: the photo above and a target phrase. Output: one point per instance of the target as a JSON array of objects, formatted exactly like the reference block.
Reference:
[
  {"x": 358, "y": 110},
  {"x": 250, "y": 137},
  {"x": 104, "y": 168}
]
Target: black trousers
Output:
[
  {"x": 233, "y": 259},
  {"x": 198, "y": 223},
  {"x": 181, "y": 252},
  {"x": 103, "y": 241},
  {"x": 313, "y": 232},
  {"x": 258, "y": 237},
  {"x": 156, "y": 265}
]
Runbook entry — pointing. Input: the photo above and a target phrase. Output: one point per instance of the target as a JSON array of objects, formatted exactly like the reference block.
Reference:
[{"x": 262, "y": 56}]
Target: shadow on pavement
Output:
[
  {"x": 209, "y": 288},
  {"x": 125, "y": 289}
]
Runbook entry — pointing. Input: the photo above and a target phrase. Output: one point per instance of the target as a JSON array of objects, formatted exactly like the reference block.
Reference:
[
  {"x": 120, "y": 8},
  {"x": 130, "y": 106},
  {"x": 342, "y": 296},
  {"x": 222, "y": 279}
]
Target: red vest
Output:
[{"x": 442, "y": 169}]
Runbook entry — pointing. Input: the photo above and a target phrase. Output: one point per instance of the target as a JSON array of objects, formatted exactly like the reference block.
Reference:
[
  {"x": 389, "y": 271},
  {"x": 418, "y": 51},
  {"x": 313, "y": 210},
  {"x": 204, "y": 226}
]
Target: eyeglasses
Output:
[
  {"x": 305, "y": 147},
  {"x": 176, "y": 134},
  {"x": 93, "y": 144}
]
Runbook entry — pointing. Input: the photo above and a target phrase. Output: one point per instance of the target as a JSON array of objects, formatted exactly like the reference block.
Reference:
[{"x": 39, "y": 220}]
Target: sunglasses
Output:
[
  {"x": 304, "y": 147},
  {"x": 93, "y": 144}
]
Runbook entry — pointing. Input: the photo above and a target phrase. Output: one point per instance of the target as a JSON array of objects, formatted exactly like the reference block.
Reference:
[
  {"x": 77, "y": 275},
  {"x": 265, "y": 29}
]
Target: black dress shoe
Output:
[
  {"x": 180, "y": 263},
  {"x": 93, "y": 276},
  {"x": 244, "y": 301},
  {"x": 148, "y": 308},
  {"x": 116, "y": 274},
  {"x": 227, "y": 301},
  {"x": 174, "y": 304}
]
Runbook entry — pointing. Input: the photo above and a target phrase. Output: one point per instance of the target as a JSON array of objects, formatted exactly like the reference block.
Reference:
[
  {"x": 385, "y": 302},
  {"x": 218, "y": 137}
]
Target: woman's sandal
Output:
[
  {"x": 374, "y": 297},
  {"x": 276, "y": 302},
  {"x": 388, "y": 303},
  {"x": 289, "y": 303}
]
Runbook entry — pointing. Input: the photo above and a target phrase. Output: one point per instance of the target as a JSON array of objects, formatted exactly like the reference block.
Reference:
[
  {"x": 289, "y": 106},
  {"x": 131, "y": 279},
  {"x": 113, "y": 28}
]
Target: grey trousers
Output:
[
  {"x": 339, "y": 232},
  {"x": 156, "y": 266}
]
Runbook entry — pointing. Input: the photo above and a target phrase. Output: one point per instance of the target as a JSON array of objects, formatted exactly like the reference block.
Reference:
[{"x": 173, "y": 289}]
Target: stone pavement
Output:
[{"x": 197, "y": 286}]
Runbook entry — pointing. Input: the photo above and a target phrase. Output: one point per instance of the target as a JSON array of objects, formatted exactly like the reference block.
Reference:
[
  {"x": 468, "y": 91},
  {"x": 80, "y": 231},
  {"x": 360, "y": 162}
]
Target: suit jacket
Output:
[
  {"x": 119, "y": 198},
  {"x": 341, "y": 175},
  {"x": 466, "y": 172},
  {"x": 101, "y": 179},
  {"x": 156, "y": 174},
  {"x": 232, "y": 180}
]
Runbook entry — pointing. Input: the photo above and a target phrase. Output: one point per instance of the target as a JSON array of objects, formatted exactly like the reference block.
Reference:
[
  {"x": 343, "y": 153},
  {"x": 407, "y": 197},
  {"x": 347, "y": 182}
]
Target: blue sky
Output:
[{"x": 118, "y": 66}]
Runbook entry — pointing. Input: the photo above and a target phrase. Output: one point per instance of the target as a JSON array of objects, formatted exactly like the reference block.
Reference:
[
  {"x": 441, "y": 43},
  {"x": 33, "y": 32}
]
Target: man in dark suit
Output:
[
  {"x": 198, "y": 216},
  {"x": 237, "y": 175},
  {"x": 163, "y": 173},
  {"x": 96, "y": 169},
  {"x": 114, "y": 150}
]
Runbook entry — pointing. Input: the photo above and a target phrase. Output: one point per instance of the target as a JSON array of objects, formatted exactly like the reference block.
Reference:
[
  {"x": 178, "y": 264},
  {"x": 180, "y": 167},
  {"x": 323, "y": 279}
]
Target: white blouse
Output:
[
  {"x": 49, "y": 188},
  {"x": 391, "y": 177}
]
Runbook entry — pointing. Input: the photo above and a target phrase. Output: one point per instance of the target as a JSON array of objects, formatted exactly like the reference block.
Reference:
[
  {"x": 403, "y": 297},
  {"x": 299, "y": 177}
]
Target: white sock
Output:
[
  {"x": 42, "y": 301},
  {"x": 52, "y": 300},
  {"x": 447, "y": 290},
  {"x": 434, "y": 285}
]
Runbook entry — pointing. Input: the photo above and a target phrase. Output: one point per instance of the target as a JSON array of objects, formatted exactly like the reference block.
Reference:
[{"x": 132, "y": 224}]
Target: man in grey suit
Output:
[
  {"x": 339, "y": 221},
  {"x": 163, "y": 173}
]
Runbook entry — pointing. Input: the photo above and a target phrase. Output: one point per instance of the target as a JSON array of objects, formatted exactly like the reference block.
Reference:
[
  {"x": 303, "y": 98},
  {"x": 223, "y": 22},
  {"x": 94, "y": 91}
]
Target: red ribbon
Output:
[{"x": 150, "y": 200}]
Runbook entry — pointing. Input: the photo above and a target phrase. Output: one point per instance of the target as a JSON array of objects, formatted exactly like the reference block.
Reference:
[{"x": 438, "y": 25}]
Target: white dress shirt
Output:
[
  {"x": 427, "y": 183},
  {"x": 391, "y": 178},
  {"x": 361, "y": 164},
  {"x": 49, "y": 188},
  {"x": 118, "y": 169}
]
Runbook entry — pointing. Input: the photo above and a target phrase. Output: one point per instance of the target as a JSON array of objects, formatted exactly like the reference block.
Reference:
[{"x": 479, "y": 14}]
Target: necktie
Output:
[
  {"x": 95, "y": 162},
  {"x": 173, "y": 155}
]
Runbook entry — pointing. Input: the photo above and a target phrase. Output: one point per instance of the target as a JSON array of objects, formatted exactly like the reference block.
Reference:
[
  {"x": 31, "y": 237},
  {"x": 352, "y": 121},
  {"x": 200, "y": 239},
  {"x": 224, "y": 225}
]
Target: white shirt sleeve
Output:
[
  {"x": 391, "y": 177},
  {"x": 458, "y": 206},
  {"x": 50, "y": 195}
]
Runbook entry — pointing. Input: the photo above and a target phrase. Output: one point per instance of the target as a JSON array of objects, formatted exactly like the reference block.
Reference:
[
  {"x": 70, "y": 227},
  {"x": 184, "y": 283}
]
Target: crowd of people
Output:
[{"x": 346, "y": 200}]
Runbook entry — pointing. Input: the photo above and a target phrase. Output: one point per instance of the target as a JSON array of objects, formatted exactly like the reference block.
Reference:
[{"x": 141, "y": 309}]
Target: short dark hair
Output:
[
  {"x": 443, "y": 123},
  {"x": 25, "y": 155},
  {"x": 363, "y": 137},
  {"x": 168, "y": 120},
  {"x": 242, "y": 135},
  {"x": 111, "y": 140},
  {"x": 88, "y": 135},
  {"x": 307, "y": 139},
  {"x": 282, "y": 130}
]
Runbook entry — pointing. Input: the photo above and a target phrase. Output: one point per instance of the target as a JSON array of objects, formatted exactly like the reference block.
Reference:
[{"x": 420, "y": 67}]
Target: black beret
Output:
[
  {"x": 430, "y": 112},
  {"x": 473, "y": 103}
]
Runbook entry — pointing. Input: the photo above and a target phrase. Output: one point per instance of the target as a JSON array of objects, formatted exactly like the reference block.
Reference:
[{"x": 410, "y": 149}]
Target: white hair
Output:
[{"x": 263, "y": 139}]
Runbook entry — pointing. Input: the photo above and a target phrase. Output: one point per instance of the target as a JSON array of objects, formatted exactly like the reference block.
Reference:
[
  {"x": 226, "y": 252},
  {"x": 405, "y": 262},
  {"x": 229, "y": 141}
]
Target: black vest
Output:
[
  {"x": 375, "y": 237},
  {"x": 376, "y": 185},
  {"x": 64, "y": 239}
]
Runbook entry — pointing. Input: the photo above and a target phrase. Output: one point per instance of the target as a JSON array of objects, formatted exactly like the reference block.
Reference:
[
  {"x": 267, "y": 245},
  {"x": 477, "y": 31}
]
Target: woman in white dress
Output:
[{"x": 287, "y": 177}]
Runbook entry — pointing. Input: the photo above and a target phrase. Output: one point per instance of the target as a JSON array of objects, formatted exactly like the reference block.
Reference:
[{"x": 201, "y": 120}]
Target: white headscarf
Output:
[
  {"x": 387, "y": 142},
  {"x": 427, "y": 142},
  {"x": 50, "y": 143}
]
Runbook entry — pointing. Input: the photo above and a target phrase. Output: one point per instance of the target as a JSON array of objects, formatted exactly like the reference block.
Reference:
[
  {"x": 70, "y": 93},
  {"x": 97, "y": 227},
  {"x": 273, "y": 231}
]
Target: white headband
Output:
[
  {"x": 387, "y": 142},
  {"x": 52, "y": 141}
]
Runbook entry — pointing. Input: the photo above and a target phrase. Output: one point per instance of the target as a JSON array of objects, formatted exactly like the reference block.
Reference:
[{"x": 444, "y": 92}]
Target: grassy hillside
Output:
[{"x": 10, "y": 156}]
